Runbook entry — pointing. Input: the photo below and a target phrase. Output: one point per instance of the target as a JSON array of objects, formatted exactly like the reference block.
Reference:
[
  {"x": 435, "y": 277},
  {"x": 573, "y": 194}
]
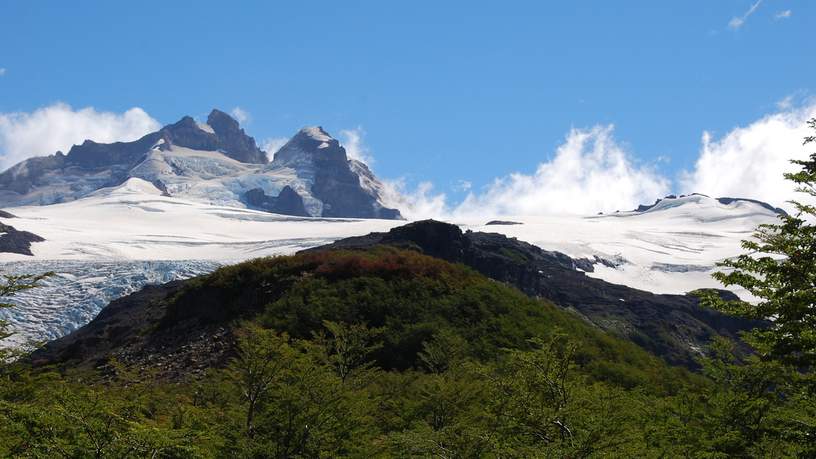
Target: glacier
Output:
[{"x": 79, "y": 290}]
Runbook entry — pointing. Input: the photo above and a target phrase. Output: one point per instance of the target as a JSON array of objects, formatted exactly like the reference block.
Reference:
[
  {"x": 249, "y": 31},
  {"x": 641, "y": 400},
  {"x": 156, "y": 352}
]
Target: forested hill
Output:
[{"x": 376, "y": 352}]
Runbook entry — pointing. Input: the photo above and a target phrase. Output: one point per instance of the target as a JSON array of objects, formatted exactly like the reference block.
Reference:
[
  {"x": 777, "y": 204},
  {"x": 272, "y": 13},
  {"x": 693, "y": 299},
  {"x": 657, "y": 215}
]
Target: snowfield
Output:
[
  {"x": 117, "y": 240},
  {"x": 671, "y": 248}
]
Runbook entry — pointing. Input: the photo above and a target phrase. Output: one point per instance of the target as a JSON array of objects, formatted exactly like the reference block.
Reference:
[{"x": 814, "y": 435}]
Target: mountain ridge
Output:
[{"x": 215, "y": 162}]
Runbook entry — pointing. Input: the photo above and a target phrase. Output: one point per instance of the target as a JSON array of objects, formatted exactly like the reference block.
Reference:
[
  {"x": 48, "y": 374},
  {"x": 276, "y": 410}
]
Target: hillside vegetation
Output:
[{"x": 385, "y": 353}]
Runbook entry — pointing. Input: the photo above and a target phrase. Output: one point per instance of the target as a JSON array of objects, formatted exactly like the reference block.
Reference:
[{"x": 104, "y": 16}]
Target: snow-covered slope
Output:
[
  {"x": 118, "y": 239},
  {"x": 135, "y": 221},
  {"x": 669, "y": 248}
]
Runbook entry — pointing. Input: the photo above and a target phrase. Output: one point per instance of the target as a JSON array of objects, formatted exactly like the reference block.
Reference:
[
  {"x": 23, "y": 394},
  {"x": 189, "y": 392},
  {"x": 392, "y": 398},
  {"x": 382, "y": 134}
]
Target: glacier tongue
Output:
[{"x": 80, "y": 289}]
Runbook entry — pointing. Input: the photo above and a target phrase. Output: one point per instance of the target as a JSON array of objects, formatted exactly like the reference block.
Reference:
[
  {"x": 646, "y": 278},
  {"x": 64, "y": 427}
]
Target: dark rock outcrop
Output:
[
  {"x": 14, "y": 241},
  {"x": 233, "y": 141},
  {"x": 288, "y": 201},
  {"x": 674, "y": 327},
  {"x": 502, "y": 222}
]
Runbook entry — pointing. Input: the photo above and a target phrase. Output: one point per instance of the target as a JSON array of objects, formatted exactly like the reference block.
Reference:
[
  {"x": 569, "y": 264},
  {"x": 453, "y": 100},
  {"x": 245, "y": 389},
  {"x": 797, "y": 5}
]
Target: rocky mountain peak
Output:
[
  {"x": 309, "y": 146},
  {"x": 222, "y": 122},
  {"x": 234, "y": 142},
  {"x": 319, "y": 158},
  {"x": 221, "y": 133},
  {"x": 316, "y": 133},
  {"x": 187, "y": 133}
]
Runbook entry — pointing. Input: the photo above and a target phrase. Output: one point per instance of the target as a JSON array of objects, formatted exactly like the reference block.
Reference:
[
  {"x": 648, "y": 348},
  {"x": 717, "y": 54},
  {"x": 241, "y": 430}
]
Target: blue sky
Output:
[{"x": 444, "y": 91}]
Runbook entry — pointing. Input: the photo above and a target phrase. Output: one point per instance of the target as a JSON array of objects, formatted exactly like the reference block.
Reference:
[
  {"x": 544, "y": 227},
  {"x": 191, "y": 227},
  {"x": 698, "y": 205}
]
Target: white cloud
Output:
[
  {"x": 272, "y": 145},
  {"x": 748, "y": 162},
  {"x": 240, "y": 115},
  {"x": 738, "y": 21},
  {"x": 2, "y": 71},
  {"x": 415, "y": 204},
  {"x": 783, "y": 14},
  {"x": 58, "y": 127},
  {"x": 590, "y": 173},
  {"x": 785, "y": 104},
  {"x": 354, "y": 145}
]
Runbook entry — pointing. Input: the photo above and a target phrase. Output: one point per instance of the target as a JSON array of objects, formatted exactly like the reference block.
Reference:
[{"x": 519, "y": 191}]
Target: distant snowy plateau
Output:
[{"x": 173, "y": 211}]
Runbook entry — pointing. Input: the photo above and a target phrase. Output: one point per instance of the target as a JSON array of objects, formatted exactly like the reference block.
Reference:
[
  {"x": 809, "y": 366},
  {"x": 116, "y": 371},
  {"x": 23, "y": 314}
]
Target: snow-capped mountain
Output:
[
  {"x": 214, "y": 163},
  {"x": 111, "y": 218}
]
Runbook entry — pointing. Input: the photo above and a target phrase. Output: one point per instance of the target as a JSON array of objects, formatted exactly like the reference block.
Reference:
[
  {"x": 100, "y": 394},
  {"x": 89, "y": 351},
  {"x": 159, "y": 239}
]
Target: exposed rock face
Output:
[
  {"x": 233, "y": 141},
  {"x": 674, "y": 327},
  {"x": 14, "y": 241},
  {"x": 319, "y": 159},
  {"x": 288, "y": 202}
]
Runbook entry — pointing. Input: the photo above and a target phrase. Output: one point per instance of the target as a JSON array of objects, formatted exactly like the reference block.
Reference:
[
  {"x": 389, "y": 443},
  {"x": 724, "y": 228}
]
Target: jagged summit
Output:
[
  {"x": 221, "y": 133},
  {"x": 310, "y": 144},
  {"x": 342, "y": 185},
  {"x": 316, "y": 132},
  {"x": 234, "y": 140}
]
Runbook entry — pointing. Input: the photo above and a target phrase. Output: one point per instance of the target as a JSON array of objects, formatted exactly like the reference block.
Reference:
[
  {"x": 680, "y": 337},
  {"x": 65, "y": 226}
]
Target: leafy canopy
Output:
[{"x": 780, "y": 271}]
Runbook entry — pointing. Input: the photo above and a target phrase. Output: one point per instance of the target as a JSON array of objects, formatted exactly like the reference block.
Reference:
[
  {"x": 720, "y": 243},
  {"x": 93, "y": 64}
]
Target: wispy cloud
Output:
[
  {"x": 240, "y": 115},
  {"x": 738, "y": 21},
  {"x": 415, "y": 203},
  {"x": 352, "y": 140},
  {"x": 783, "y": 14},
  {"x": 2, "y": 71},
  {"x": 272, "y": 145},
  {"x": 785, "y": 104},
  {"x": 59, "y": 126}
]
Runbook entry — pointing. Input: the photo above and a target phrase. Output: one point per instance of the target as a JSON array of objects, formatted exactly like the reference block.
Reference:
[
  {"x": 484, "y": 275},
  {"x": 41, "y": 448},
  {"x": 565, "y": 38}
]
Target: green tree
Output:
[
  {"x": 349, "y": 346},
  {"x": 779, "y": 269},
  {"x": 767, "y": 402},
  {"x": 745, "y": 411},
  {"x": 262, "y": 358}
]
